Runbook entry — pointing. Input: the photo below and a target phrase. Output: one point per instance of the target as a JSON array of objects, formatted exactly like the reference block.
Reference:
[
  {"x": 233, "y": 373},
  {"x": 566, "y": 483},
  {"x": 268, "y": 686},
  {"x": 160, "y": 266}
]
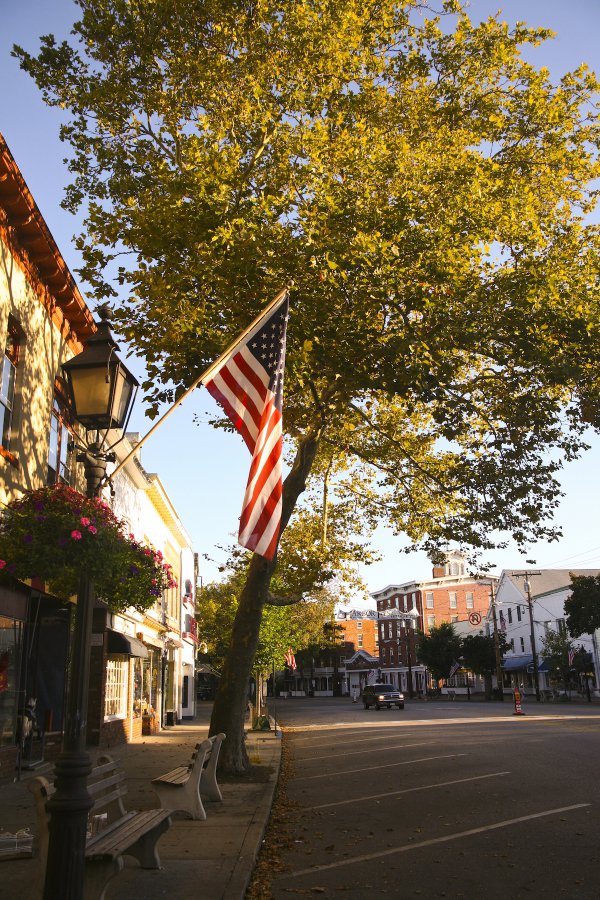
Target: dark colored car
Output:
[{"x": 379, "y": 695}]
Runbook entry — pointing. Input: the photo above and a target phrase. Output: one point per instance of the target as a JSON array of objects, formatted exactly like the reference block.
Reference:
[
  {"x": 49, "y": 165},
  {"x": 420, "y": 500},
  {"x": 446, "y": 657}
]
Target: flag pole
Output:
[{"x": 276, "y": 300}]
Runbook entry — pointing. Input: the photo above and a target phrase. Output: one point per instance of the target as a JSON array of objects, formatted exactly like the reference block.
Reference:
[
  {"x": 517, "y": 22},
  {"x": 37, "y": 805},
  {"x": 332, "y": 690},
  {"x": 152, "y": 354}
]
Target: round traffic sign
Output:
[{"x": 475, "y": 618}]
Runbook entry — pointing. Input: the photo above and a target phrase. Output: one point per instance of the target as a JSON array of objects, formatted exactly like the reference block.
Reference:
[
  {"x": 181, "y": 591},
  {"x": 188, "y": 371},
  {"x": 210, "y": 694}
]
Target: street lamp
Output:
[
  {"x": 101, "y": 392},
  {"x": 409, "y": 621}
]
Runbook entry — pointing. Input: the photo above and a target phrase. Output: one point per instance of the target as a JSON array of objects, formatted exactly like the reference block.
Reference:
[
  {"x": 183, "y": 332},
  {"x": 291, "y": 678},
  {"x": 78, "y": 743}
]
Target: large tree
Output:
[{"x": 425, "y": 188}]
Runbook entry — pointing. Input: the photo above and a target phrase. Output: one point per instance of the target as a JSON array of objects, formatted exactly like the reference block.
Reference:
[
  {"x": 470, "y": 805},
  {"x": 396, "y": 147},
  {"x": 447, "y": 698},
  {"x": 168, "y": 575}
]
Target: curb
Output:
[{"x": 252, "y": 843}]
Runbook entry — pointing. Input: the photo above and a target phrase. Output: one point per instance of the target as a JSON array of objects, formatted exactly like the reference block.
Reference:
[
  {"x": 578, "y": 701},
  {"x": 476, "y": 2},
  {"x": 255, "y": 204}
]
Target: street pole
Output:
[
  {"x": 499, "y": 677},
  {"x": 536, "y": 674},
  {"x": 410, "y": 681},
  {"x": 71, "y": 802}
]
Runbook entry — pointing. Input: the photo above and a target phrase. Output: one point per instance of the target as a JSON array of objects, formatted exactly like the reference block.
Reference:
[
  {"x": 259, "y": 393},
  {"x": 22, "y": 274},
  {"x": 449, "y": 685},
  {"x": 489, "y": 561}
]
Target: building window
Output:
[
  {"x": 519, "y": 613},
  {"x": 60, "y": 456},
  {"x": 430, "y": 621},
  {"x": 429, "y": 599},
  {"x": 7, "y": 384},
  {"x": 469, "y": 599},
  {"x": 115, "y": 700},
  {"x": 522, "y": 644},
  {"x": 405, "y": 603},
  {"x": 389, "y": 629},
  {"x": 509, "y": 615},
  {"x": 512, "y": 644},
  {"x": 360, "y": 640},
  {"x": 454, "y": 618},
  {"x": 562, "y": 626},
  {"x": 452, "y": 599},
  {"x": 359, "y": 625}
]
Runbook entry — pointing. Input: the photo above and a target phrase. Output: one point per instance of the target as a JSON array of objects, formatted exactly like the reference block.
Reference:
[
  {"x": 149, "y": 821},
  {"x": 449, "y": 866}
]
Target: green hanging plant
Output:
[{"x": 55, "y": 533}]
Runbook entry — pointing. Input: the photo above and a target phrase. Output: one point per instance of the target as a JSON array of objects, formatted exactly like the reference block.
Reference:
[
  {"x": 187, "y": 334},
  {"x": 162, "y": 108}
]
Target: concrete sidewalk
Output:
[{"x": 210, "y": 860}]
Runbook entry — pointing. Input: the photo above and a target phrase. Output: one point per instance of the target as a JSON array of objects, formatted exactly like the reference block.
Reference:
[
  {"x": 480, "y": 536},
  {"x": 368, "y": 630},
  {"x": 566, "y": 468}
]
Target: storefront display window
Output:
[
  {"x": 137, "y": 687},
  {"x": 115, "y": 700},
  {"x": 10, "y": 642}
]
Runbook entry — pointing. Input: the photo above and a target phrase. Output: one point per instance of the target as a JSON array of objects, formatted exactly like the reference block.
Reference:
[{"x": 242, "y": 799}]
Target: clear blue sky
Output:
[{"x": 205, "y": 471}]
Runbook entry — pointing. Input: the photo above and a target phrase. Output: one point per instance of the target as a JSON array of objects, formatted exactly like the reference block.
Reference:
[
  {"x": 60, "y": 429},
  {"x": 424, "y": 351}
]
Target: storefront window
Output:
[
  {"x": 150, "y": 675},
  {"x": 137, "y": 687},
  {"x": 10, "y": 642},
  {"x": 115, "y": 701}
]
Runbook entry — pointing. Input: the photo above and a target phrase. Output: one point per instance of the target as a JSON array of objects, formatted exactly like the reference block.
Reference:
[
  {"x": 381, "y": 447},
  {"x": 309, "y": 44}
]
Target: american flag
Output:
[
  {"x": 290, "y": 659},
  {"x": 453, "y": 669},
  {"x": 571, "y": 656},
  {"x": 248, "y": 384}
]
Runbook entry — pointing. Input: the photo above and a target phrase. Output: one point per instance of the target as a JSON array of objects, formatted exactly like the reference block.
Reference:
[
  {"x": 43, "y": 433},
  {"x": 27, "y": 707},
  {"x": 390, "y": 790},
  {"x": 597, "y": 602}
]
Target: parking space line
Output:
[
  {"x": 355, "y": 752},
  {"x": 335, "y": 737},
  {"x": 411, "y": 790},
  {"x": 407, "y": 762},
  {"x": 441, "y": 840}
]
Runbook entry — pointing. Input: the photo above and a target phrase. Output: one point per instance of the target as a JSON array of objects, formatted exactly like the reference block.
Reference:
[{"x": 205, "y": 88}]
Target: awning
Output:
[
  {"x": 207, "y": 669},
  {"x": 522, "y": 663},
  {"x": 517, "y": 663},
  {"x": 125, "y": 643}
]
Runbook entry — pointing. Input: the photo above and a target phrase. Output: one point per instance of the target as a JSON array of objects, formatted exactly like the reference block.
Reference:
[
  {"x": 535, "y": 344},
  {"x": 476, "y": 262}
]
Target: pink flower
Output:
[
  {"x": 2, "y": 563},
  {"x": 84, "y": 521},
  {"x": 92, "y": 529},
  {"x": 76, "y": 535}
]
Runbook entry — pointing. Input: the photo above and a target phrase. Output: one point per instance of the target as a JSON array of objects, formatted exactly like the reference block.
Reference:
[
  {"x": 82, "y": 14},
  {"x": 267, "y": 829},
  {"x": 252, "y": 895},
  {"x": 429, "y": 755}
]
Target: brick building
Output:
[{"x": 450, "y": 595}]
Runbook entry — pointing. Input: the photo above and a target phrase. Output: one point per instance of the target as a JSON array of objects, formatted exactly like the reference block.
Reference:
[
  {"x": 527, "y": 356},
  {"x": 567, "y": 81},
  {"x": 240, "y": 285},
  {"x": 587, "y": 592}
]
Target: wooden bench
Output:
[
  {"x": 124, "y": 833},
  {"x": 181, "y": 789}
]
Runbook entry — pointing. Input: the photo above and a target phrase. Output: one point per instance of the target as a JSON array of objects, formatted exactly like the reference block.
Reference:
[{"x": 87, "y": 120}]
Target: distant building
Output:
[
  {"x": 548, "y": 588},
  {"x": 450, "y": 595}
]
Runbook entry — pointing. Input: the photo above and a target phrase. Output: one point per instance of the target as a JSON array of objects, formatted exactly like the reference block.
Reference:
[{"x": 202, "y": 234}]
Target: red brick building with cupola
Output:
[{"x": 450, "y": 595}]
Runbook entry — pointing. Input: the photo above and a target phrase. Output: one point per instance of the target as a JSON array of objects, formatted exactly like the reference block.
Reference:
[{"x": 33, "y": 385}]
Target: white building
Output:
[
  {"x": 163, "y": 638},
  {"x": 548, "y": 589}
]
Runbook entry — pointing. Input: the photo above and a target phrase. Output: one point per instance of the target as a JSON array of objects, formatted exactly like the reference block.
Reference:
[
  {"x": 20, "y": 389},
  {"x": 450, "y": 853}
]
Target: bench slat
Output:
[{"x": 119, "y": 839}]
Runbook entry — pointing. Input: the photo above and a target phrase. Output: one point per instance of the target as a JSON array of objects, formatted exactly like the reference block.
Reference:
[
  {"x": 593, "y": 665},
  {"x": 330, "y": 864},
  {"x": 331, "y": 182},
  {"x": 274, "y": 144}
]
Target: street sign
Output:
[{"x": 475, "y": 618}]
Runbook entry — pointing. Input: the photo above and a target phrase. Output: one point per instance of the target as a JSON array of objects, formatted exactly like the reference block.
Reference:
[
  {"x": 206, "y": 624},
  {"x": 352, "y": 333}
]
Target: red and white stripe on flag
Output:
[
  {"x": 248, "y": 384},
  {"x": 571, "y": 656},
  {"x": 290, "y": 659}
]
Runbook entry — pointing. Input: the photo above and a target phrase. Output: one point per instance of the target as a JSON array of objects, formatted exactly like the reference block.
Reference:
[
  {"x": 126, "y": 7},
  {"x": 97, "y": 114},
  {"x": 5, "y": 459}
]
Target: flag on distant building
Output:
[
  {"x": 453, "y": 669},
  {"x": 372, "y": 677},
  {"x": 248, "y": 384},
  {"x": 290, "y": 659},
  {"x": 571, "y": 656}
]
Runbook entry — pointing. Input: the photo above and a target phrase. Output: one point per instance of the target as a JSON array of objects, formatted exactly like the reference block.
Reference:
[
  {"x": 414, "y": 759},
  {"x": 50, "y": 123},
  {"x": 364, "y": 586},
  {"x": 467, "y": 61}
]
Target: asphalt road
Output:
[{"x": 456, "y": 800}]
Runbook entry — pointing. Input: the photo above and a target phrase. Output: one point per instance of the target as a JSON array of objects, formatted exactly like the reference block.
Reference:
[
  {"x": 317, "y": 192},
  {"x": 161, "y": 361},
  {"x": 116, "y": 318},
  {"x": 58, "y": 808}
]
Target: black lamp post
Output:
[
  {"x": 101, "y": 392},
  {"x": 410, "y": 619}
]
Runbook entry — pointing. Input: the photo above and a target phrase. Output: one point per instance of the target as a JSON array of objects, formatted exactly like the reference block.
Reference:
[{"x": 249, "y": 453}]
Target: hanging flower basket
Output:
[{"x": 56, "y": 533}]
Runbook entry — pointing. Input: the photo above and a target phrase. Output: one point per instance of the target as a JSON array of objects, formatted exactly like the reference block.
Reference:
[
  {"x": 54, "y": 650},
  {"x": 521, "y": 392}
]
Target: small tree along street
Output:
[
  {"x": 555, "y": 650},
  {"x": 439, "y": 649},
  {"x": 426, "y": 190},
  {"x": 479, "y": 655}
]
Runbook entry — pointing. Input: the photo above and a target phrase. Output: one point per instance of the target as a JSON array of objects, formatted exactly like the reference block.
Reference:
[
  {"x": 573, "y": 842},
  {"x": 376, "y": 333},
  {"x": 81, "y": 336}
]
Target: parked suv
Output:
[{"x": 379, "y": 695}]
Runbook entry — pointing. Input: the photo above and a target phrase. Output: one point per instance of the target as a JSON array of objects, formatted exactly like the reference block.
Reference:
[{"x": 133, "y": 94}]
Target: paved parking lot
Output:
[{"x": 456, "y": 800}]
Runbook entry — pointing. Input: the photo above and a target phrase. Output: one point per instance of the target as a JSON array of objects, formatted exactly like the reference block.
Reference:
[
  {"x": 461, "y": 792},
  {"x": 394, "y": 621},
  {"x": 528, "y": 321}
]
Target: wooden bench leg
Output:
[
  {"x": 98, "y": 873},
  {"x": 145, "y": 849}
]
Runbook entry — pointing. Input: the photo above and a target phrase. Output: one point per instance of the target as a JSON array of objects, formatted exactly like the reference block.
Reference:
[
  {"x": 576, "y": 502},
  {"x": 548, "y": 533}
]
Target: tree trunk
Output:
[{"x": 231, "y": 702}]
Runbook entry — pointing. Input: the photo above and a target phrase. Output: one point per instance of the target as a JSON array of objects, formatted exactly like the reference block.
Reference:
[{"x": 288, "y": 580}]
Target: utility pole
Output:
[
  {"x": 536, "y": 673},
  {"x": 499, "y": 677}
]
